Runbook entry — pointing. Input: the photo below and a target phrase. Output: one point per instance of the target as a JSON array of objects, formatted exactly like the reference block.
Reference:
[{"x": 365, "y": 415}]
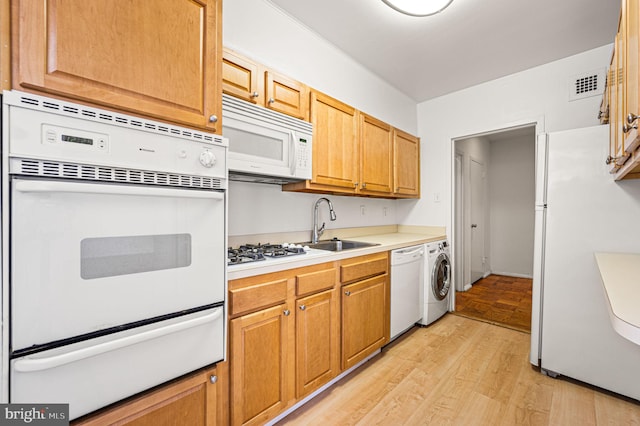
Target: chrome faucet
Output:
[{"x": 332, "y": 215}]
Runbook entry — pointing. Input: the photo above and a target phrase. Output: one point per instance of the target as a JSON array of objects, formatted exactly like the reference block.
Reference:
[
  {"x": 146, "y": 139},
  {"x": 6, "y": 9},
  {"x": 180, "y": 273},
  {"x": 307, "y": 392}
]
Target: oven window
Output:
[{"x": 112, "y": 256}]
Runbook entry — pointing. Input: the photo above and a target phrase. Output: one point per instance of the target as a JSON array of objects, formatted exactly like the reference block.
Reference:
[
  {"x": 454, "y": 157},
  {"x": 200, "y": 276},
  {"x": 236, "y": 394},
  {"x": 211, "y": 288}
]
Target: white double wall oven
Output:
[{"x": 114, "y": 252}]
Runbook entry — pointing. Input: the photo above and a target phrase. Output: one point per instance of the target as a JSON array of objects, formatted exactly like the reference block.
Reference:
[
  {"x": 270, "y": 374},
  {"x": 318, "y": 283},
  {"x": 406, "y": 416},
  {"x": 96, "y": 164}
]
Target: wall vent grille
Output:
[{"x": 587, "y": 84}]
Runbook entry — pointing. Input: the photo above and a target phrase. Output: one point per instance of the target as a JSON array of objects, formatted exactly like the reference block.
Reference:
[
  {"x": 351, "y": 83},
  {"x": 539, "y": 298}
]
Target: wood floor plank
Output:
[
  {"x": 500, "y": 300},
  {"x": 459, "y": 371},
  {"x": 572, "y": 405}
]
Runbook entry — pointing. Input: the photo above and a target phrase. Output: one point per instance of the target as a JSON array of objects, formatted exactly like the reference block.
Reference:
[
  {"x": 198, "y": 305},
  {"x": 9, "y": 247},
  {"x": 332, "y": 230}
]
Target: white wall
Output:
[
  {"x": 259, "y": 30},
  {"x": 511, "y": 176},
  {"x": 538, "y": 94}
]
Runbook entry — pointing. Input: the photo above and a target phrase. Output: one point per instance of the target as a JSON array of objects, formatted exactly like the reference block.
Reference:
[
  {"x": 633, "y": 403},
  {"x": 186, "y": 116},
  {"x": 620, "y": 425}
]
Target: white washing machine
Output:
[{"x": 437, "y": 281}]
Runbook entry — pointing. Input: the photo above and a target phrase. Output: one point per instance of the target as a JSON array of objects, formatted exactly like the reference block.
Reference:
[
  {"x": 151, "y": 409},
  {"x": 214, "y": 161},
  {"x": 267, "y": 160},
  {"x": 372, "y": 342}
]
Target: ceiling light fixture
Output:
[{"x": 418, "y": 7}]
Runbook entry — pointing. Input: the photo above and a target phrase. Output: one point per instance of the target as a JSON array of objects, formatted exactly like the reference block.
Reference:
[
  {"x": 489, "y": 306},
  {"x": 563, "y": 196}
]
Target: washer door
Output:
[{"x": 441, "y": 276}]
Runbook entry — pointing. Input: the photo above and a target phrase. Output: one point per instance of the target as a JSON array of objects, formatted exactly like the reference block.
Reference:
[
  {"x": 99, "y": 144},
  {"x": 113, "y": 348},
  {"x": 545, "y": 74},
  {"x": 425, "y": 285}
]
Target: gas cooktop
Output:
[{"x": 257, "y": 252}]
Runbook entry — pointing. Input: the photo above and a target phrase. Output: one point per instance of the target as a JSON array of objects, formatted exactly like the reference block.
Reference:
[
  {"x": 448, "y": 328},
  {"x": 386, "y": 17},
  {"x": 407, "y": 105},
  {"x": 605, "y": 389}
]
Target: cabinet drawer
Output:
[
  {"x": 363, "y": 267},
  {"x": 251, "y": 298},
  {"x": 315, "y": 281}
]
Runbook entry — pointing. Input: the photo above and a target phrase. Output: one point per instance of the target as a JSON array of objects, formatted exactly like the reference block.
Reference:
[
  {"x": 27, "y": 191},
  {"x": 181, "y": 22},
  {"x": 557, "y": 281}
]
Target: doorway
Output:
[{"x": 494, "y": 197}]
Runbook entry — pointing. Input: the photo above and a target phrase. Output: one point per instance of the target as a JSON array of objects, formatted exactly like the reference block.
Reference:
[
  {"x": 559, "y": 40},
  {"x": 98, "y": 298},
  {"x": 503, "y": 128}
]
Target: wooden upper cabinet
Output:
[
  {"x": 631, "y": 28},
  {"x": 286, "y": 95},
  {"x": 255, "y": 83},
  {"x": 376, "y": 156},
  {"x": 160, "y": 59},
  {"x": 406, "y": 164},
  {"x": 335, "y": 143},
  {"x": 5, "y": 51},
  {"x": 240, "y": 77}
]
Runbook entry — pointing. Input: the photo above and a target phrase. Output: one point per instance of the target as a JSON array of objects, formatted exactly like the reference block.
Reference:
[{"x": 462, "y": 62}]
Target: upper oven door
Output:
[{"x": 90, "y": 256}]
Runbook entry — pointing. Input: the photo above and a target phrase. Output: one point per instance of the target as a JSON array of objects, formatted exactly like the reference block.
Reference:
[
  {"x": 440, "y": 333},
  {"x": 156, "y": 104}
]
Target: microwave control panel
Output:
[{"x": 303, "y": 153}]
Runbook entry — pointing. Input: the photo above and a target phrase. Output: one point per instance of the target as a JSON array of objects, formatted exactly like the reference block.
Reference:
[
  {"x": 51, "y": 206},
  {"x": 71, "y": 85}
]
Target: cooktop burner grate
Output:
[{"x": 256, "y": 252}]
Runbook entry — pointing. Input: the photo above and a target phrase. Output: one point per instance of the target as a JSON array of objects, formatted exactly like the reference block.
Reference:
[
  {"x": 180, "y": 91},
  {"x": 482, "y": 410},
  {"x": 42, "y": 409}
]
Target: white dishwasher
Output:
[{"x": 407, "y": 288}]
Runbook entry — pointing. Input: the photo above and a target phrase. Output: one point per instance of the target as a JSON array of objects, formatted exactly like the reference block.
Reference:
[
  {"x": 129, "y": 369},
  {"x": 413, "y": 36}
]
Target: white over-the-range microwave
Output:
[{"x": 265, "y": 146}]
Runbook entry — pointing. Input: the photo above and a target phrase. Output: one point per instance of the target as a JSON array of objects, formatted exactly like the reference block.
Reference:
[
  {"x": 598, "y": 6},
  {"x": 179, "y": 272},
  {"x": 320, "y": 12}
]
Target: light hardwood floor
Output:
[{"x": 460, "y": 371}]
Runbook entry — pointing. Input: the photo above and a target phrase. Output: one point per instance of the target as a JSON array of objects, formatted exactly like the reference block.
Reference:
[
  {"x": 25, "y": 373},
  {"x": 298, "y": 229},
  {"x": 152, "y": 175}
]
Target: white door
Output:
[
  {"x": 477, "y": 220},
  {"x": 86, "y": 257}
]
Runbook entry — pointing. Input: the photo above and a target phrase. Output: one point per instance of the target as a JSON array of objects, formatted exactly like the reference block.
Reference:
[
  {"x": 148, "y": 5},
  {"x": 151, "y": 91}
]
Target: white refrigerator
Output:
[{"x": 581, "y": 210}]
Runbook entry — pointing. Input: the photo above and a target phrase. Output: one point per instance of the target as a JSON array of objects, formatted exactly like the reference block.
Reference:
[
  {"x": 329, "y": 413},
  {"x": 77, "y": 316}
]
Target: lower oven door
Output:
[
  {"x": 94, "y": 373},
  {"x": 87, "y": 257}
]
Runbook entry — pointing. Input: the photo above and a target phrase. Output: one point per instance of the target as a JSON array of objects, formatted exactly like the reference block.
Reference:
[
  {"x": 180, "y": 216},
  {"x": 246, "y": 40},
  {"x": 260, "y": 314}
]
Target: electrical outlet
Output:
[
  {"x": 384, "y": 211},
  {"x": 362, "y": 210}
]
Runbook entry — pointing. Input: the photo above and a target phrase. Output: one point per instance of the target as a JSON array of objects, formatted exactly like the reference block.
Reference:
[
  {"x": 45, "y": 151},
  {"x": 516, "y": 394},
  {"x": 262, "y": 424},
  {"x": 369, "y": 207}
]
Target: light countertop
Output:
[
  {"x": 620, "y": 274},
  {"x": 386, "y": 242}
]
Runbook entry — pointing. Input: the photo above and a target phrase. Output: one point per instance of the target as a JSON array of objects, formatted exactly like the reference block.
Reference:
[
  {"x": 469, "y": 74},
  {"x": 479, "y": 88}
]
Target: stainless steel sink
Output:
[{"x": 339, "y": 245}]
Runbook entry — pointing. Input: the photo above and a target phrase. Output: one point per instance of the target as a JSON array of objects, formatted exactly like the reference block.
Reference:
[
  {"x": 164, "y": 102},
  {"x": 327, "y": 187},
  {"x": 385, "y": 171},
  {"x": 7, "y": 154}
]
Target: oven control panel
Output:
[{"x": 75, "y": 139}]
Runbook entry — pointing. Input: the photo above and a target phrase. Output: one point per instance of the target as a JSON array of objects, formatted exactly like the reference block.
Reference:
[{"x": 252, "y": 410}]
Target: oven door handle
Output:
[
  {"x": 137, "y": 190},
  {"x": 30, "y": 364}
]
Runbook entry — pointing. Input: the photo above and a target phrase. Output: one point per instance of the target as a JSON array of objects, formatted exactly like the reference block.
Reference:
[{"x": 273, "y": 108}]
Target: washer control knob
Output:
[{"x": 207, "y": 158}]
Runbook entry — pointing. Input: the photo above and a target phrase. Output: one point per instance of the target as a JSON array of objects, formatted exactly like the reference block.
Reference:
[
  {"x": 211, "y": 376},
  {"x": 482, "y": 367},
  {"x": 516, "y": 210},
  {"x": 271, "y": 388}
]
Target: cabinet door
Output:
[
  {"x": 631, "y": 17},
  {"x": 240, "y": 77},
  {"x": 191, "y": 401},
  {"x": 365, "y": 319},
  {"x": 335, "y": 151},
  {"x": 406, "y": 165},
  {"x": 286, "y": 95},
  {"x": 259, "y": 365},
  {"x": 612, "y": 81},
  {"x": 376, "y": 156},
  {"x": 159, "y": 59},
  {"x": 317, "y": 344},
  {"x": 620, "y": 119}
]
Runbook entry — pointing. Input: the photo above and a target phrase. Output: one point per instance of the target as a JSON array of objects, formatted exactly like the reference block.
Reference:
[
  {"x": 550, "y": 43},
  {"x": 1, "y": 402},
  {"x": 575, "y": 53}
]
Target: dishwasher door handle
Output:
[{"x": 419, "y": 250}]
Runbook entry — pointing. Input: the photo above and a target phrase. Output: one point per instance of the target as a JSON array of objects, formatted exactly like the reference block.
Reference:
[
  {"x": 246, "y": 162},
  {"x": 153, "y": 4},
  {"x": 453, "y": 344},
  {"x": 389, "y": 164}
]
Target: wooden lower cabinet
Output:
[
  {"x": 259, "y": 364},
  {"x": 199, "y": 399},
  {"x": 365, "y": 319},
  {"x": 365, "y": 306},
  {"x": 317, "y": 342},
  {"x": 285, "y": 331},
  {"x": 285, "y": 348}
]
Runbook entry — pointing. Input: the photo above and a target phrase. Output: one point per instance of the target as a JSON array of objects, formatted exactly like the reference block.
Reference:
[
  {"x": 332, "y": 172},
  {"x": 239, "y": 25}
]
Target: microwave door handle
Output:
[
  {"x": 293, "y": 152},
  {"x": 28, "y": 365},
  {"x": 137, "y": 190}
]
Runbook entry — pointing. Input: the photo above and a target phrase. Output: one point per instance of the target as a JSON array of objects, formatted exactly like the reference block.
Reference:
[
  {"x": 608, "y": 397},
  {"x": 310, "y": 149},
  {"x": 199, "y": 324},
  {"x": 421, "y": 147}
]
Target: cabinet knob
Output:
[
  {"x": 364, "y": 185},
  {"x": 347, "y": 293},
  {"x": 631, "y": 118},
  {"x": 302, "y": 307},
  {"x": 356, "y": 184},
  {"x": 271, "y": 100},
  {"x": 627, "y": 128},
  {"x": 286, "y": 312},
  {"x": 255, "y": 94},
  {"x": 213, "y": 118},
  {"x": 213, "y": 379}
]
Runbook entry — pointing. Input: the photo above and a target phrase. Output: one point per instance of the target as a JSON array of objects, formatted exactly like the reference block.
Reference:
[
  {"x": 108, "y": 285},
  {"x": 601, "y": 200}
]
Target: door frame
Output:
[{"x": 456, "y": 233}]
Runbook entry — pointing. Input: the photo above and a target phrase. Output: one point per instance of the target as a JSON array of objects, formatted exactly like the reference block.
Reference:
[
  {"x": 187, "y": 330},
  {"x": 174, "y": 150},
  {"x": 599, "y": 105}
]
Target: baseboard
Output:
[{"x": 510, "y": 274}]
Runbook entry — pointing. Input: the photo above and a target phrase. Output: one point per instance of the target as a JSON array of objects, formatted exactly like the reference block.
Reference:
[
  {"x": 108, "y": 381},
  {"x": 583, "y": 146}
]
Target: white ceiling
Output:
[{"x": 470, "y": 42}]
